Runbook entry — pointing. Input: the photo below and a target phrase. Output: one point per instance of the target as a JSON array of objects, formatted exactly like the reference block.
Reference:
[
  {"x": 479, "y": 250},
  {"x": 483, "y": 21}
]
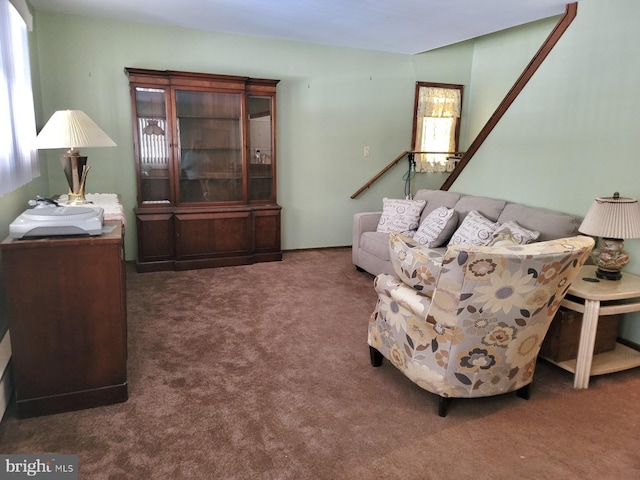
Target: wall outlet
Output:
[{"x": 366, "y": 151}]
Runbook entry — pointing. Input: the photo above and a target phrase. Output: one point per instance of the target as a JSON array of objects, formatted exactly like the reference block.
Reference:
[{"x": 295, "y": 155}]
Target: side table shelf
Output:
[
  {"x": 601, "y": 298},
  {"x": 620, "y": 358}
]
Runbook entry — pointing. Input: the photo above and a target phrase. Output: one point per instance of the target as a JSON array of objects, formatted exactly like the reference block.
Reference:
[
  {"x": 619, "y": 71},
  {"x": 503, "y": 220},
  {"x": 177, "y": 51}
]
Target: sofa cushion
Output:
[
  {"x": 550, "y": 223},
  {"x": 520, "y": 234},
  {"x": 475, "y": 229},
  {"x": 400, "y": 215},
  {"x": 437, "y": 227},
  {"x": 415, "y": 264},
  {"x": 376, "y": 243},
  {"x": 487, "y": 207},
  {"x": 435, "y": 199}
]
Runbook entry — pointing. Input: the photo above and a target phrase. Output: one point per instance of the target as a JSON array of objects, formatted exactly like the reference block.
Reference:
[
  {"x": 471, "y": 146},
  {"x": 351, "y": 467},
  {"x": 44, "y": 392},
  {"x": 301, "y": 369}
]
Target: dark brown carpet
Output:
[{"x": 263, "y": 372}]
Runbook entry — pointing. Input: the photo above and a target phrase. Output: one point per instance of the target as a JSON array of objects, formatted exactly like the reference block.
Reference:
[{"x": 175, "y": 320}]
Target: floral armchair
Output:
[{"x": 469, "y": 322}]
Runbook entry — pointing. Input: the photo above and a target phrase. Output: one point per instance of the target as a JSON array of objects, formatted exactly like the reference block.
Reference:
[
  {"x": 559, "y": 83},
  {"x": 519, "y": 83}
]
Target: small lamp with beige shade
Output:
[
  {"x": 73, "y": 129},
  {"x": 613, "y": 219}
]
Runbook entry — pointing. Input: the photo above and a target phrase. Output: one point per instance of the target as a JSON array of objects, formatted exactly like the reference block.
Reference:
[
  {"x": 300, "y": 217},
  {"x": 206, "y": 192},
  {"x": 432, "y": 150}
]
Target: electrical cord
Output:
[{"x": 409, "y": 175}]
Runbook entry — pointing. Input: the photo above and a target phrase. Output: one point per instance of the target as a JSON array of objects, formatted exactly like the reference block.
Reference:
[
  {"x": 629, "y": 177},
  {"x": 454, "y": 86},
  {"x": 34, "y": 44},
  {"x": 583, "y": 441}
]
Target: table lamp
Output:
[
  {"x": 73, "y": 129},
  {"x": 614, "y": 219}
]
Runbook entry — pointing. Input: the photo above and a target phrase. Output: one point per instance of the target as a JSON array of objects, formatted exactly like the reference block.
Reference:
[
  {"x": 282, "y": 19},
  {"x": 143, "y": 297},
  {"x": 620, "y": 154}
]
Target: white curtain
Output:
[
  {"x": 18, "y": 156},
  {"x": 437, "y": 117}
]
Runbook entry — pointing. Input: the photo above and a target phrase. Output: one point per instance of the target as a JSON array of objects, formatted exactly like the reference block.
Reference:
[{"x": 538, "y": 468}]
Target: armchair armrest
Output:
[{"x": 390, "y": 287}]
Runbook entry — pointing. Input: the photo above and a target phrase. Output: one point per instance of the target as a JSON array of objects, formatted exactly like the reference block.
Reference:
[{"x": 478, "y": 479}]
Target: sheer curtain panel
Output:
[{"x": 18, "y": 156}]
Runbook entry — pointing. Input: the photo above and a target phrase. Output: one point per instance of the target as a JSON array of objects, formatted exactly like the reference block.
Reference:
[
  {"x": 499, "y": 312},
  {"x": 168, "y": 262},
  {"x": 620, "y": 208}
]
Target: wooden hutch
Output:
[{"x": 205, "y": 151}]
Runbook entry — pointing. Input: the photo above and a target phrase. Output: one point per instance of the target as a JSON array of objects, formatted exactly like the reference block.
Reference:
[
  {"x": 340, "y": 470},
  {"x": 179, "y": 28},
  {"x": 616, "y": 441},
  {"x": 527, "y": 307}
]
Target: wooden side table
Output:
[
  {"x": 601, "y": 297},
  {"x": 66, "y": 300}
]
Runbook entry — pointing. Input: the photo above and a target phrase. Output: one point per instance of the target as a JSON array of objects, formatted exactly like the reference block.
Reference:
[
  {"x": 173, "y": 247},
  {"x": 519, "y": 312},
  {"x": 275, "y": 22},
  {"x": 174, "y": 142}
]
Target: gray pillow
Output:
[
  {"x": 475, "y": 229},
  {"x": 437, "y": 227},
  {"x": 400, "y": 215}
]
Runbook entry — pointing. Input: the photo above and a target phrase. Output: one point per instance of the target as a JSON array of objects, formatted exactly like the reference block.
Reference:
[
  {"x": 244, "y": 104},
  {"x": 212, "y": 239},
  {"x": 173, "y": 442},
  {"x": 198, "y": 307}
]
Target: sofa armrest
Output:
[
  {"x": 366, "y": 222},
  {"x": 362, "y": 222}
]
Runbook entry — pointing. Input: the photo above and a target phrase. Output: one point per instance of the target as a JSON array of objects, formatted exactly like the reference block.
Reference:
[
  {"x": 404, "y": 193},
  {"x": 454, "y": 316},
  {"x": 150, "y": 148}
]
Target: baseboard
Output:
[
  {"x": 6, "y": 385},
  {"x": 629, "y": 343},
  {"x": 310, "y": 249}
]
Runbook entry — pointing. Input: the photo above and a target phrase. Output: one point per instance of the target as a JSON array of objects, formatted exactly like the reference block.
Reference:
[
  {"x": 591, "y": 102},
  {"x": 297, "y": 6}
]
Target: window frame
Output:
[{"x": 450, "y": 86}]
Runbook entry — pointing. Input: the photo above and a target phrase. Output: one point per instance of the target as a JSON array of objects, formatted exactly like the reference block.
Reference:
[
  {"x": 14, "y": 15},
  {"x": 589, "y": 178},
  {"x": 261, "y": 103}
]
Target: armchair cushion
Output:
[{"x": 416, "y": 265}]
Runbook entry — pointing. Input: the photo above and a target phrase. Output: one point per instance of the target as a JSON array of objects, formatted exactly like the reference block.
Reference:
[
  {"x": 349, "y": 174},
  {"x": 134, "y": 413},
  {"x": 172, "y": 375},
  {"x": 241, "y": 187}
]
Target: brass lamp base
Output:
[
  {"x": 76, "y": 170},
  {"x": 610, "y": 258}
]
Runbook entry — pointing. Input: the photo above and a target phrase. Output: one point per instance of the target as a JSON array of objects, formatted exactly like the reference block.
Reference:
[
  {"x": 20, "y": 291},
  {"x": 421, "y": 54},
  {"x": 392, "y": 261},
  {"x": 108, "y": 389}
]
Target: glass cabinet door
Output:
[
  {"x": 261, "y": 152},
  {"x": 210, "y": 146},
  {"x": 153, "y": 149}
]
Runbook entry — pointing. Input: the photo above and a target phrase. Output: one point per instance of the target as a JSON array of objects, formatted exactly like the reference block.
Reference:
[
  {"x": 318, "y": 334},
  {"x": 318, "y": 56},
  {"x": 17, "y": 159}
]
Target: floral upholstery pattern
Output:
[
  {"x": 416, "y": 265},
  {"x": 480, "y": 331}
]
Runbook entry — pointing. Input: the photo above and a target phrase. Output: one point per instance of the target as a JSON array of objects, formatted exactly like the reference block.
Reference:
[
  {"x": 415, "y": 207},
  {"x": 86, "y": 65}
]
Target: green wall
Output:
[
  {"x": 569, "y": 137},
  {"x": 572, "y": 133},
  {"x": 331, "y": 103}
]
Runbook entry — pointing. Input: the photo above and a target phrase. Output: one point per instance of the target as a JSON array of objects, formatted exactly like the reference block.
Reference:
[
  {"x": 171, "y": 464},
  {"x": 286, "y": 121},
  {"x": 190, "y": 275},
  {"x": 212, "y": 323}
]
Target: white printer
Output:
[{"x": 52, "y": 220}]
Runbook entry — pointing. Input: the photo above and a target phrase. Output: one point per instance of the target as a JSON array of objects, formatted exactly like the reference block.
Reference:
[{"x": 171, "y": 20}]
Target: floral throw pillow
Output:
[
  {"x": 437, "y": 227},
  {"x": 502, "y": 239},
  {"x": 400, "y": 215},
  {"x": 475, "y": 229},
  {"x": 416, "y": 265},
  {"x": 518, "y": 232}
]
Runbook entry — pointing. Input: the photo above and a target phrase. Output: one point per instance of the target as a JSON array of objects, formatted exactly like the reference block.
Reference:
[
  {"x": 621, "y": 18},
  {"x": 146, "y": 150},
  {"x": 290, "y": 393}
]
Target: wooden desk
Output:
[
  {"x": 67, "y": 318},
  {"x": 602, "y": 297}
]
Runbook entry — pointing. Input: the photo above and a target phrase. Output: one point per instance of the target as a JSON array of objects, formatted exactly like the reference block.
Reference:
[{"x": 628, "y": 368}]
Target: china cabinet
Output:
[{"x": 205, "y": 155}]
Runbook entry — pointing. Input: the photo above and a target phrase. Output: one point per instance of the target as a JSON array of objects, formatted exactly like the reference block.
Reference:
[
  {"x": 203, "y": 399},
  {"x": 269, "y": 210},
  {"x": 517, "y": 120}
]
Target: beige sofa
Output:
[{"x": 370, "y": 249}]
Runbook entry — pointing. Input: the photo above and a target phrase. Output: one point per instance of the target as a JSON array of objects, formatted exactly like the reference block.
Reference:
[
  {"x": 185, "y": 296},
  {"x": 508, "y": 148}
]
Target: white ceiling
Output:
[{"x": 400, "y": 26}]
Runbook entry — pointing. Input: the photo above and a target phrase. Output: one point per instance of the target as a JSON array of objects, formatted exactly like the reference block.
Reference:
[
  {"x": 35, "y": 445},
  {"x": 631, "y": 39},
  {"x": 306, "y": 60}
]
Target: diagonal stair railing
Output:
[{"x": 537, "y": 60}]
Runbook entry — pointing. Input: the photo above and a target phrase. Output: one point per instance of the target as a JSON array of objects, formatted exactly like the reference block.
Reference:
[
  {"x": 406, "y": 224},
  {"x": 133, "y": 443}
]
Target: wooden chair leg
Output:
[
  {"x": 524, "y": 392},
  {"x": 376, "y": 357},
  {"x": 443, "y": 406}
]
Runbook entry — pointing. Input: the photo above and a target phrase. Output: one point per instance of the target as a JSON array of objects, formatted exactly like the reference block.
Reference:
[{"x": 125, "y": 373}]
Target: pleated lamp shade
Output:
[
  {"x": 613, "y": 217},
  {"x": 72, "y": 129}
]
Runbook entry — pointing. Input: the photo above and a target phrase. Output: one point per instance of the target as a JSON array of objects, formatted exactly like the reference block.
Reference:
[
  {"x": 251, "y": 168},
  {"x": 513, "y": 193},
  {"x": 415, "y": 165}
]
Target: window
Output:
[
  {"x": 18, "y": 156},
  {"x": 436, "y": 125}
]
